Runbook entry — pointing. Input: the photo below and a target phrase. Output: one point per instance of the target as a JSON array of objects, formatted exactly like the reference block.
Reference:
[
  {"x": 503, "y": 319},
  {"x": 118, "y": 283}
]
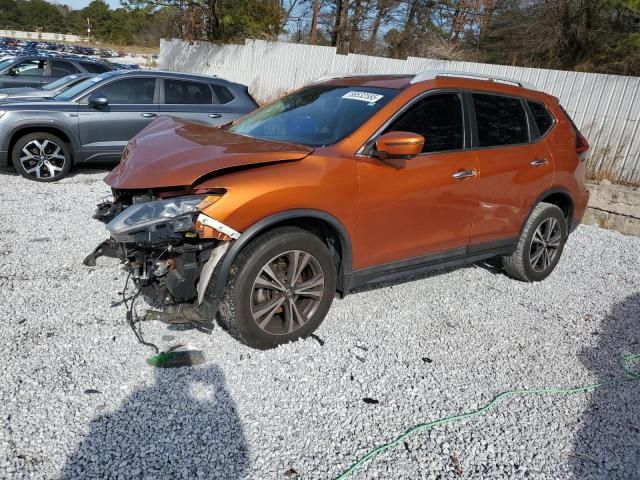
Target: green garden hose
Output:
[{"x": 630, "y": 364}]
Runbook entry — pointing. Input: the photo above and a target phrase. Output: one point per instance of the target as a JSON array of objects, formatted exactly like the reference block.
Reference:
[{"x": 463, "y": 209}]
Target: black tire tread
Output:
[
  {"x": 514, "y": 264},
  {"x": 227, "y": 310}
]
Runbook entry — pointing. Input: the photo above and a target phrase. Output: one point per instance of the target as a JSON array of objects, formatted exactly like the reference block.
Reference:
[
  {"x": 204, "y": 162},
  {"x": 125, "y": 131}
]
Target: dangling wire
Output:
[{"x": 131, "y": 314}]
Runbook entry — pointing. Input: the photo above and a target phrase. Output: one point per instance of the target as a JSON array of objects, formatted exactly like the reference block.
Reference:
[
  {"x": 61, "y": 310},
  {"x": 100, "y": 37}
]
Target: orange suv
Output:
[{"x": 346, "y": 181}]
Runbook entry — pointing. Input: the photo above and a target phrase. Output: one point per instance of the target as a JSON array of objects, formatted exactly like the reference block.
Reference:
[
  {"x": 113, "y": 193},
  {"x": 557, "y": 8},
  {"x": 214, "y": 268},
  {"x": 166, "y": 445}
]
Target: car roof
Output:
[
  {"x": 440, "y": 79},
  {"x": 164, "y": 73},
  {"x": 54, "y": 57},
  {"x": 382, "y": 81}
]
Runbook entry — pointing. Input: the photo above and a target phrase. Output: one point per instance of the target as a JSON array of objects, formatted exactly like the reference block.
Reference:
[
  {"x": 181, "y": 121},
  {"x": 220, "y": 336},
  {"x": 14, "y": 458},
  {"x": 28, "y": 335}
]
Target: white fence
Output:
[
  {"x": 43, "y": 36},
  {"x": 606, "y": 108}
]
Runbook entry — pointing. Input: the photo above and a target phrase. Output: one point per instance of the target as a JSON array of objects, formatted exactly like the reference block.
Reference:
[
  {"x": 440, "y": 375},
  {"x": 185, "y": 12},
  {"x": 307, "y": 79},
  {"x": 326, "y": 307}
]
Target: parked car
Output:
[
  {"x": 93, "y": 120},
  {"x": 47, "y": 91},
  {"x": 37, "y": 71},
  {"x": 342, "y": 183}
]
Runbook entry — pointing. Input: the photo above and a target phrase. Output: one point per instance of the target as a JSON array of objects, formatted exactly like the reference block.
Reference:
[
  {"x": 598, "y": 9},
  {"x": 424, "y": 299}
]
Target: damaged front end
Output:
[{"x": 169, "y": 248}]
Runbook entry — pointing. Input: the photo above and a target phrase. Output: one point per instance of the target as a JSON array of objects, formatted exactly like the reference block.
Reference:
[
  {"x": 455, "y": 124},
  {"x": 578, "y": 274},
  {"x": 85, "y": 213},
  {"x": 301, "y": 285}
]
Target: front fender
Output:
[
  {"x": 68, "y": 125},
  {"x": 222, "y": 271}
]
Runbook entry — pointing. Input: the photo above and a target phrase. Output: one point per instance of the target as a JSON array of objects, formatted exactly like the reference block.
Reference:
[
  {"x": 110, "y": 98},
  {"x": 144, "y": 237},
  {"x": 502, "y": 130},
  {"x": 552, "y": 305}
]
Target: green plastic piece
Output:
[{"x": 175, "y": 359}]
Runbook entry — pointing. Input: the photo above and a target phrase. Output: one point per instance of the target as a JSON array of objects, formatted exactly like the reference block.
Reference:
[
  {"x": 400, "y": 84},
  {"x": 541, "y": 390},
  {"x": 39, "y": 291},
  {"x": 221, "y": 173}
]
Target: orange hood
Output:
[{"x": 172, "y": 152}]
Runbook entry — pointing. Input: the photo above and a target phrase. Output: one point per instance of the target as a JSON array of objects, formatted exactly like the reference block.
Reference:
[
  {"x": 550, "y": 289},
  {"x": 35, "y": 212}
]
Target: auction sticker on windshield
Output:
[{"x": 363, "y": 96}]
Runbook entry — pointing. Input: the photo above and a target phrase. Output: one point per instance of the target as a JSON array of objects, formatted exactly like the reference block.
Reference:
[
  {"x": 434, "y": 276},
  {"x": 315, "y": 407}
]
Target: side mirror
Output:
[
  {"x": 399, "y": 145},
  {"x": 13, "y": 71},
  {"x": 98, "y": 101}
]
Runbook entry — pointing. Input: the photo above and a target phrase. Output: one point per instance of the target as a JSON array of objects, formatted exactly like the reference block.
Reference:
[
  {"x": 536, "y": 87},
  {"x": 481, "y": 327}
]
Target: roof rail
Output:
[
  {"x": 433, "y": 74},
  {"x": 334, "y": 76}
]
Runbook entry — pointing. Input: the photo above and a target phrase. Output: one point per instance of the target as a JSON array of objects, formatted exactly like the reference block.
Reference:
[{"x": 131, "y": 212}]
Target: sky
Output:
[{"x": 78, "y": 4}]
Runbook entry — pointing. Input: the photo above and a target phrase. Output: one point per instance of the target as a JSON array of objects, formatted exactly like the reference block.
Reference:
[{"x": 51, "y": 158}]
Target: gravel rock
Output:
[{"x": 424, "y": 348}]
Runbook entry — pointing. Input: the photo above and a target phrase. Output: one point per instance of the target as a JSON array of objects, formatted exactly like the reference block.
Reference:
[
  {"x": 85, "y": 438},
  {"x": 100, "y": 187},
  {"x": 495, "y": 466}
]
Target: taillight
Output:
[{"x": 581, "y": 144}]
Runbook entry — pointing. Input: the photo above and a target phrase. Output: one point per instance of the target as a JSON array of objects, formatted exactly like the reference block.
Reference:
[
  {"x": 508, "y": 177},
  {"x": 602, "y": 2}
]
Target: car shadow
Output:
[
  {"x": 83, "y": 169},
  {"x": 607, "y": 445},
  {"x": 185, "y": 425},
  {"x": 86, "y": 169}
]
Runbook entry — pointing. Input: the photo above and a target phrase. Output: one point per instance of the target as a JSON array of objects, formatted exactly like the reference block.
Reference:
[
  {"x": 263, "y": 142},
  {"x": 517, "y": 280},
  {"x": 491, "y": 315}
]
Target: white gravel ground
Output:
[{"x": 78, "y": 401}]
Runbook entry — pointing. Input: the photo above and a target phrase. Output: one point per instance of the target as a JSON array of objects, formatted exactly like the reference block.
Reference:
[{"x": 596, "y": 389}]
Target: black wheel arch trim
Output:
[
  {"x": 14, "y": 134},
  {"x": 548, "y": 193},
  {"x": 222, "y": 274}
]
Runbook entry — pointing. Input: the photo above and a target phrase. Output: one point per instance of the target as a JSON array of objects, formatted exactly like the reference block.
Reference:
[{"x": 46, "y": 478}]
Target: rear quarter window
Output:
[
  {"x": 501, "y": 120},
  {"x": 62, "y": 69},
  {"x": 541, "y": 116},
  {"x": 223, "y": 93}
]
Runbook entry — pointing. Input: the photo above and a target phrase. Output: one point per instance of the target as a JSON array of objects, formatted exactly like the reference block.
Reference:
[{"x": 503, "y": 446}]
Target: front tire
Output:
[
  {"x": 280, "y": 288},
  {"x": 41, "y": 157},
  {"x": 540, "y": 246}
]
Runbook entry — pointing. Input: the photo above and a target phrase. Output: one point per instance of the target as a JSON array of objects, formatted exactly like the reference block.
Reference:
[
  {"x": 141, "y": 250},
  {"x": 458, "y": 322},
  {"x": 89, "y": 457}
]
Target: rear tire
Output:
[
  {"x": 41, "y": 157},
  {"x": 540, "y": 246},
  {"x": 280, "y": 288}
]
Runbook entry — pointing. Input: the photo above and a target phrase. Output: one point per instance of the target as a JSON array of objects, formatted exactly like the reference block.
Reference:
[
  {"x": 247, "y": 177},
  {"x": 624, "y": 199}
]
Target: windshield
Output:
[
  {"x": 79, "y": 88},
  {"x": 61, "y": 82},
  {"x": 318, "y": 115}
]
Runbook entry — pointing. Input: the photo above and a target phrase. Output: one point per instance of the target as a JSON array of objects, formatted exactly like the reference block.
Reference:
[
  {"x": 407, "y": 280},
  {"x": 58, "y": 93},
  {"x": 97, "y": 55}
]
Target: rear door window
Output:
[
  {"x": 439, "y": 119},
  {"x": 31, "y": 68},
  {"x": 95, "y": 67},
  {"x": 180, "y": 92},
  {"x": 500, "y": 120},
  {"x": 541, "y": 116},
  {"x": 62, "y": 69},
  {"x": 130, "y": 91}
]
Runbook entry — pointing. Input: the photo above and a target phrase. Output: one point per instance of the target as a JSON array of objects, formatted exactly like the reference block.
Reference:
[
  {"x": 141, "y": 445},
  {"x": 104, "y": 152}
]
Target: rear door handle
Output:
[
  {"x": 148, "y": 115},
  {"x": 215, "y": 115},
  {"x": 539, "y": 162},
  {"x": 462, "y": 174}
]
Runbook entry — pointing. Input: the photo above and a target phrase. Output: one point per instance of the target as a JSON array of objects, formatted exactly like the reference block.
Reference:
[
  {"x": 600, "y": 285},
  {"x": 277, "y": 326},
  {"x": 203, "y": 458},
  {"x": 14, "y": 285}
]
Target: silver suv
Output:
[
  {"x": 94, "y": 120},
  {"x": 37, "y": 71}
]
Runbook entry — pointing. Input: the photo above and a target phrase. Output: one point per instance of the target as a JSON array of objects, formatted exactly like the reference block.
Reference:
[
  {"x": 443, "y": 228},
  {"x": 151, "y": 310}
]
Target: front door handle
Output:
[
  {"x": 148, "y": 115},
  {"x": 215, "y": 115},
  {"x": 539, "y": 162},
  {"x": 462, "y": 174}
]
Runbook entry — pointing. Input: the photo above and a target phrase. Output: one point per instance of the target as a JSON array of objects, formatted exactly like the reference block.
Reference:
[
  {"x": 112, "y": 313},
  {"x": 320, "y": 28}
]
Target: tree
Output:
[
  {"x": 9, "y": 14},
  {"x": 221, "y": 20}
]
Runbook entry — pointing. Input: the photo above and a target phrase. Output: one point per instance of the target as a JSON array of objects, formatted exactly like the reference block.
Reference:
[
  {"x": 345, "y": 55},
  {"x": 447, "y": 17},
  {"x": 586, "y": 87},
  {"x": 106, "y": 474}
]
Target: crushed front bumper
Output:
[
  {"x": 172, "y": 278},
  {"x": 173, "y": 269}
]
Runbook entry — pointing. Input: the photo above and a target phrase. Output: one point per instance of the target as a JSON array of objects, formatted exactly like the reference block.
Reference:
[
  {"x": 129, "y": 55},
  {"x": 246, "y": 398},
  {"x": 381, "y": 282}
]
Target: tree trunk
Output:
[
  {"x": 403, "y": 45},
  {"x": 375, "y": 27},
  {"x": 314, "y": 22},
  {"x": 354, "y": 36},
  {"x": 336, "y": 25},
  {"x": 340, "y": 34}
]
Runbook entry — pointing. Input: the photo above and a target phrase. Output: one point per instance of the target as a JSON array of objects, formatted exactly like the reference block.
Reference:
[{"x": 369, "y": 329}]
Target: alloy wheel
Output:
[
  {"x": 42, "y": 158},
  {"x": 287, "y": 292},
  {"x": 545, "y": 245}
]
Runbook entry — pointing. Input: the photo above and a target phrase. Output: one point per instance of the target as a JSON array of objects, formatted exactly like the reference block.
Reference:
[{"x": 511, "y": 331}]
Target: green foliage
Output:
[
  {"x": 592, "y": 35},
  {"x": 220, "y": 20},
  {"x": 633, "y": 4},
  {"x": 31, "y": 15}
]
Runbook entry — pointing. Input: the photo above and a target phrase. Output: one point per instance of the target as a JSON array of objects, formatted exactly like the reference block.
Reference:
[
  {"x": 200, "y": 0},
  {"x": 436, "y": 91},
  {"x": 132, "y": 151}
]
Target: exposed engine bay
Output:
[{"x": 169, "y": 247}]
